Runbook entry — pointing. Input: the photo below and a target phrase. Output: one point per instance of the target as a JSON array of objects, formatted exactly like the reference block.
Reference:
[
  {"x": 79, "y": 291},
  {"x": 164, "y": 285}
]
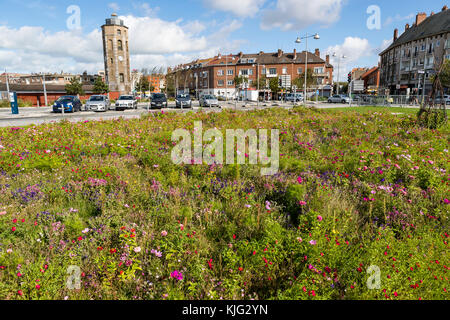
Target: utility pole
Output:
[
  {"x": 299, "y": 40},
  {"x": 226, "y": 78},
  {"x": 45, "y": 91},
  {"x": 7, "y": 84}
]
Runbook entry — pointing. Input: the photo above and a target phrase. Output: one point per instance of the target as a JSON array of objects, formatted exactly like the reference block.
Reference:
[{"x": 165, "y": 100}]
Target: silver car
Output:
[
  {"x": 98, "y": 103},
  {"x": 339, "y": 98},
  {"x": 126, "y": 102},
  {"x": 209, "y": 100}
]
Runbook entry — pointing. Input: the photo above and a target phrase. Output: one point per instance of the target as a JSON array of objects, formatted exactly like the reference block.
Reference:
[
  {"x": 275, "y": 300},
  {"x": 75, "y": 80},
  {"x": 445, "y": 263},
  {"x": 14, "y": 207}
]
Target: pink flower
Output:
[
  {"x": 302, "y": 203},
  {"x": 319, "y": 218},
  {"x": 2, "y": 213},
  {"x": 313, "y": 242},
  {"x": 299, "y": 180},
  {"x": 163, "y": 233},
  {"x": 38, "y": 286},
  {"x": 446, "y": 201},
  {"x": 299, "y": 239}
]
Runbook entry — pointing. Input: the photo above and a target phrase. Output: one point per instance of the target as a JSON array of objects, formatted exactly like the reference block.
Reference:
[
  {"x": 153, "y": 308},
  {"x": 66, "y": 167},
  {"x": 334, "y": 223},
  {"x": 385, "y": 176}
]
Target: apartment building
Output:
[
  {"x": 409, "y": 61},
  {"x": 371, "y": 80},
  {"x": 216, "y": 75}
]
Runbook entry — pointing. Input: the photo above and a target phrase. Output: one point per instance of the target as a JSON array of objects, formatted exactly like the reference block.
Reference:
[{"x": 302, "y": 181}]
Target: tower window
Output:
[
  {"x": 119, "y": 32},
  {"x": 111, "y": 44},
  {"x": 119, "y": 44},
  {"x": 112, "y": 61},
  {"x": 122, "y": 79}
]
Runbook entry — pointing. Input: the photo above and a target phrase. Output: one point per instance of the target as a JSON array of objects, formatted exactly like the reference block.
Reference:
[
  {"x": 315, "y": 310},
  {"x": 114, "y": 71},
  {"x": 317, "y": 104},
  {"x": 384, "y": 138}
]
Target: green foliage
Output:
[
  {"x": 74, "y": 87},
  {"x": 100, "y": 87},
  {"x": 355, "y": 188}
]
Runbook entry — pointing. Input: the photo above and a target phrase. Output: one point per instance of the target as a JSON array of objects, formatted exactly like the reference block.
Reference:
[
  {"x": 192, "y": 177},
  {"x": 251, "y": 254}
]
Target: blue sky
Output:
[{"x": 35, "y": 36}]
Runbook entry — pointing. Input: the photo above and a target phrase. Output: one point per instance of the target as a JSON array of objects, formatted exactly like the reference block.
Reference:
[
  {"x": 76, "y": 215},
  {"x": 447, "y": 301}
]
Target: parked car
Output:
[
  {"x": 126, "y": 102},
  {"x": 69, "y": 103},
  {"x": 159, "y": 100},
  {"x": 98, "y": 103},
  {"x": 339, "y": 98},
  {"x": 294, "y": 97},
  {"x": 209, "y": 100},
  {"x": 446, "y": 99},
  {"x": 183, "y": 100}
]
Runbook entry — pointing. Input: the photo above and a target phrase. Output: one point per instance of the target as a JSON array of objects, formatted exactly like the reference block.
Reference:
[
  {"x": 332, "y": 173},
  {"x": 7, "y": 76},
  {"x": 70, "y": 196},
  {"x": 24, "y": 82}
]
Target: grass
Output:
[{"x": 354, "y": 190}]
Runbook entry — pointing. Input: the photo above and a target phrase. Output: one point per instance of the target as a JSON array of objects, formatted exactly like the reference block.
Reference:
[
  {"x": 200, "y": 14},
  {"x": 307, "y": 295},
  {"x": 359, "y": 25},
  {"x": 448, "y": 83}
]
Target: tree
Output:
[
  {"x": 300, "y": 81},
  {"x": 100, "y": 87},
  {"x": 274, "y": 85},
  {"x": 74, "y": 87},
  {"x": 143, "y": 84},
  {"x": 445, "y": 74}
]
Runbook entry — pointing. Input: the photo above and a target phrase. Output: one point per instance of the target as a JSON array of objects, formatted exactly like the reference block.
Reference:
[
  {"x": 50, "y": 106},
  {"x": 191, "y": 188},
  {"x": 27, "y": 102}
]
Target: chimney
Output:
[
  {"x": 395, "y": 35},
  {"x": 280, "y": 53},
  {"x": 317, "y": 53},
  {"x": 444, "y": 8},
  {"x": 241, "y": 54},
  {"x": 420, "y": 18},
  {"x": 328, "y": 59},
  {"x": 407, "y": 27},
  {"x": 432, "y": 13},
  {"x": 295, "y": 54},
  {"x": 261, "y": 52}
]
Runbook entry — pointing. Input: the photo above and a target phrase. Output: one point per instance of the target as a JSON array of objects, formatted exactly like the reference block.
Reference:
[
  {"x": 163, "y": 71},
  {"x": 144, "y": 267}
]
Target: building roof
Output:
[
  {"x": 272, "y": 58},
  {"x": 369, "y": 72},
  {"x": 433, "y": 25}
]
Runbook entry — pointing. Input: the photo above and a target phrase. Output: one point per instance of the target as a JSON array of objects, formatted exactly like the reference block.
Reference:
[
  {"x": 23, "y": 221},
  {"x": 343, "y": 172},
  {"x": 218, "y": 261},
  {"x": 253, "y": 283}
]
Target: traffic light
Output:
[{"x": 349, "y": 77}]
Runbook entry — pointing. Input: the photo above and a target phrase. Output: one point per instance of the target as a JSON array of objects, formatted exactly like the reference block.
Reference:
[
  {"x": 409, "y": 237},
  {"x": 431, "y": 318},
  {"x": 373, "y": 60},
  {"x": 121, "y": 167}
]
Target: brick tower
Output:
[{"x": 116, "y": 55}]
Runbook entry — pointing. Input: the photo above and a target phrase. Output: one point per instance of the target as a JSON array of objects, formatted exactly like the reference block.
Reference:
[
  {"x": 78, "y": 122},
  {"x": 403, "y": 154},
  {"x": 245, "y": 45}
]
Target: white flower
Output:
[
  {"x": 85, "y": 230},
  {"x": 137, "y": 249}
]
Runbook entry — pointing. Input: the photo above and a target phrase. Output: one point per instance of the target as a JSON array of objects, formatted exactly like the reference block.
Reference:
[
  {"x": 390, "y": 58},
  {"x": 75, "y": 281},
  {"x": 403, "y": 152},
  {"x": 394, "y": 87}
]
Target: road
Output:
[{"x": 34, "y": 115}]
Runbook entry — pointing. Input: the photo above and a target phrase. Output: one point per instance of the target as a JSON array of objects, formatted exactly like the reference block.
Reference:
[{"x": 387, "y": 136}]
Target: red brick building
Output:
[
  {"x": 371, "y": 80},
  {"x": 216, "y": 75}
]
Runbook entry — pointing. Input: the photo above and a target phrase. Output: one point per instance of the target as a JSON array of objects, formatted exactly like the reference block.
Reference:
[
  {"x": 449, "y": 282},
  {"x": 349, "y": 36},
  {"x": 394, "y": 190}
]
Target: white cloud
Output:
[
  {"x": 153, "y": 42},
  {"x": 298, "y": 14},
  {"x": 241, "y": 8},
  {"x": 114, "y": 6},
  {"x": 353, "y": 48}
]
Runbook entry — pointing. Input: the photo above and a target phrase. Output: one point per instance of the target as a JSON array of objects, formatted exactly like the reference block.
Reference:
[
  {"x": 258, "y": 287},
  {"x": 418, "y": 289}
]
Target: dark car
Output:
[
  {"x": 183, "y": 100},
  {"x": 159, "y": 100},
  {"x": 70, "y": 104}
]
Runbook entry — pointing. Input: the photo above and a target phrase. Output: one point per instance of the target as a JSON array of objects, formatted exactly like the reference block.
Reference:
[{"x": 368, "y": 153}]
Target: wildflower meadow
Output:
[{"x": 359, "y": 209}]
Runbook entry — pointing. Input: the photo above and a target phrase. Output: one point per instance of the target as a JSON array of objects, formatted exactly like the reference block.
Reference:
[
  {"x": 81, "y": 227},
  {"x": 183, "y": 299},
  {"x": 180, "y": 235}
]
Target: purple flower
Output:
[
  {"x": 313, "y": 242},
  {"x": 177, "y": 275}
]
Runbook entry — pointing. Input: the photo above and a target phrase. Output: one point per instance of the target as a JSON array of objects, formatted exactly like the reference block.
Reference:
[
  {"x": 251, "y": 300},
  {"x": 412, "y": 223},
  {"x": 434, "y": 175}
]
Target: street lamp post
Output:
[
  {"x": 298, "y": 41},
  {"x": 339, "y": 69}
]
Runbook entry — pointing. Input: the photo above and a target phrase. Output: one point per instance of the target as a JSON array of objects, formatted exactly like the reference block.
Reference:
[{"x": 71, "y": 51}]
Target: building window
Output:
[
  {"x": 318, "y": 70},
  {"x": 220, "y": 83},
  {"x": 244, "y": 72},
  {"x": 230, "y": 82},
  {"x": 447, "y": 44},
  {"x": 230, "y": 72},
  {"x": 250, "y": 72},
  {"x": 122, "y": 78},
  {"x": 119, "y": 33},
  {"x": 220, "y": 72},
  {"x": 112, "y": 61},
  {"x": 111, "y": 44},
  {"x": 273, "y": 71},
  {"x": 264, "y": 71},
  {"x": 299, "y": 70},
  {"x": 120, "y": 45},
  {"x": 284, "y": 70}
]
